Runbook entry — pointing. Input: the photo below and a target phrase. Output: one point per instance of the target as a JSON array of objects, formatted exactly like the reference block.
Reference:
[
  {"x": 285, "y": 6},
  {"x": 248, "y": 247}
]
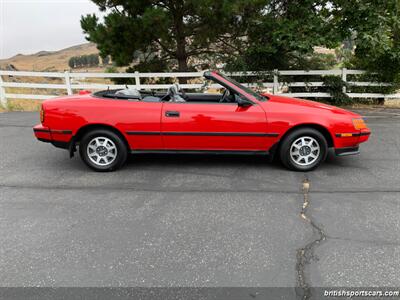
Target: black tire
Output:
[
  {"x": 288, "y": 159},
  {"x": 110, "y": 163}
]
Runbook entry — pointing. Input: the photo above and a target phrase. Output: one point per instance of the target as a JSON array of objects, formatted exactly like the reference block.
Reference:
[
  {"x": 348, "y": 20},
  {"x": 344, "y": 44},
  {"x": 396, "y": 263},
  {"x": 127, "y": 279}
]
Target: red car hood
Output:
[{"x": 309, "y": 104}]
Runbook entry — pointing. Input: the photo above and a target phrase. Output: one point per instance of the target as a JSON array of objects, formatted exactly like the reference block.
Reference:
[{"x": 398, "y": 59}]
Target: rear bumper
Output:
[{"x": 44, "y": 134}]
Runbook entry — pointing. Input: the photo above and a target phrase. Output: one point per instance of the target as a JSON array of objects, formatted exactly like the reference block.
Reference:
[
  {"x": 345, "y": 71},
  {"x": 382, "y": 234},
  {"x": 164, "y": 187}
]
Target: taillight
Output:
[{"x": 41, "y": 114}]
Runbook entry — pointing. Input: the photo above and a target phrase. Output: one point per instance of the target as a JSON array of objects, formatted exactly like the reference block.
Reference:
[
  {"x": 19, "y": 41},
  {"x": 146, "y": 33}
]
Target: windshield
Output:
[{"x": 244, "y": 88}]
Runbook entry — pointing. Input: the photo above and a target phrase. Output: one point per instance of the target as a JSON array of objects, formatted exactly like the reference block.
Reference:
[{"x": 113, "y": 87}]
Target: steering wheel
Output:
[
  {"x": 165, "y": 97},
  {"x": 182, "y": 92},
  {"x": 225, "y": 95},
  {"x": 172, "y": 91}
]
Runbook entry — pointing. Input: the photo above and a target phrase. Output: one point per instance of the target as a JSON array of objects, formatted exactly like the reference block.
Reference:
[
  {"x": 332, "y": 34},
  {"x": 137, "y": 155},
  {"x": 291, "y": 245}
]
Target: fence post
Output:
[
  {"x": 344, "y": 78},
  {"x": 3, "y": 98},
  {"x": 137, "y": 80},
  {"x": 68, "y": 83},
  {"x": 276, "y": 83}
]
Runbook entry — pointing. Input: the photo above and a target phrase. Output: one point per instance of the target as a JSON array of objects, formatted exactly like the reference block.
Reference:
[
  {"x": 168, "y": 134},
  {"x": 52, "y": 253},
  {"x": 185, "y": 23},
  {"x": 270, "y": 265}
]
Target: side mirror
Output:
[{"x": 242, "y": 102}]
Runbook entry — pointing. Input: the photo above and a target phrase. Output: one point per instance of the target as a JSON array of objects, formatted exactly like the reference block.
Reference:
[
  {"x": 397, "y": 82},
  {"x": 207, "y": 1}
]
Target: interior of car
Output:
[{"x": 174, "y": 94}]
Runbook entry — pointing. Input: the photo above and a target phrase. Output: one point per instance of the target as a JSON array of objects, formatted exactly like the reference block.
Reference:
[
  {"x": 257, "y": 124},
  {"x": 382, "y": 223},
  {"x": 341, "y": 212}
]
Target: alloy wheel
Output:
[
  {"x": 305, "y": 150},
  {"x": 102, "y": 151}
]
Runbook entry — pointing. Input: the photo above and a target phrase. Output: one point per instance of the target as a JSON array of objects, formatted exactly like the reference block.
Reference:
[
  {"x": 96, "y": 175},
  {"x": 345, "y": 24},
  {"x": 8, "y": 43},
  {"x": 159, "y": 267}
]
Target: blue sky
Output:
[{"x": 29, "y": 26}]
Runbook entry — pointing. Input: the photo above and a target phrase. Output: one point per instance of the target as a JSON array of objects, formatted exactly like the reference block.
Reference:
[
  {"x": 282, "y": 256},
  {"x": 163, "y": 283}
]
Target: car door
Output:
[
  {"x": 214, "y": 126},
  {"x": 140, "y": 121}
]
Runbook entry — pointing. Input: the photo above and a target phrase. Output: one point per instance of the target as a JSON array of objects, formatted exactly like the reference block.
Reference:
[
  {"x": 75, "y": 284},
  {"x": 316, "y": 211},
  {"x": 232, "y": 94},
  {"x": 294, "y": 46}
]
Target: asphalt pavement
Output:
[{"x": 198, "y": 221}]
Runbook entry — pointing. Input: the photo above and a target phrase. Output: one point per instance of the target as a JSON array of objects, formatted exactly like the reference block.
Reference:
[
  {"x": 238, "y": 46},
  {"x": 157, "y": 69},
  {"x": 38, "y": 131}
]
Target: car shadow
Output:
[
  {"x": 203, "y": 161},
  {"x": 209, "y": 160},
  {"x": 196, "y": 160}
]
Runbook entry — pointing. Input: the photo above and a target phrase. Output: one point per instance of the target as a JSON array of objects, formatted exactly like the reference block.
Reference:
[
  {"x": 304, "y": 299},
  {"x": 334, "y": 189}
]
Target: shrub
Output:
[{"x": 334, "y": 86}]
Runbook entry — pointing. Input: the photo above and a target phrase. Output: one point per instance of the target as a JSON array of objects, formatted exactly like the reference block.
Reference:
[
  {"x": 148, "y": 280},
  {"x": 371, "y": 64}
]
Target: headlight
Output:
[
  {"x": 41, "y": 114},
  {"x": 359, "y": 124}
]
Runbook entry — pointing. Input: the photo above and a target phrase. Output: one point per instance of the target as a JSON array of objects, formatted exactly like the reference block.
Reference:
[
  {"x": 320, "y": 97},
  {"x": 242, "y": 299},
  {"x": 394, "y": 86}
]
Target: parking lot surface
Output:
[{"x": 175, "y": 220}]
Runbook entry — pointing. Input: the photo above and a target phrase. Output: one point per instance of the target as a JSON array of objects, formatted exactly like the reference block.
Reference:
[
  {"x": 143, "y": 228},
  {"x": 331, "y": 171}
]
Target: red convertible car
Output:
[{"x": 106, "y": 126}]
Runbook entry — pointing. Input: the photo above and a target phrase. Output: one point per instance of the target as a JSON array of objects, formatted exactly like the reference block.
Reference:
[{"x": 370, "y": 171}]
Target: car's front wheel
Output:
[
  {"x": 103, "y": 150},
  {"x": 303, "y": 149}
]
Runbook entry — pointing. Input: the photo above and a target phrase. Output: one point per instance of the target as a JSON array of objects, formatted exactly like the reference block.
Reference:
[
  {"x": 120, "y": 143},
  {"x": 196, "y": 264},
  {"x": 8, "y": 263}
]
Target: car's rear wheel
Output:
[
  {"x": 303, "y": 149},
  {"x": 103, "y": 150}
]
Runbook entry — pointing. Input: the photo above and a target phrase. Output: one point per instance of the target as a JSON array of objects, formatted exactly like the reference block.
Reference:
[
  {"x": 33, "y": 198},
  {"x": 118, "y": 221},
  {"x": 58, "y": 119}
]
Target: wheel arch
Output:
[
  {"x": 322, "y": 129},
  {"x": 90, "y": 127}
]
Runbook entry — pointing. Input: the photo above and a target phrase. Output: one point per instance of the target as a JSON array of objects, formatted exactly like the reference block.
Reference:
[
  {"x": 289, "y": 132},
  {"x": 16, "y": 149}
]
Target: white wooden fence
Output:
[{"x": 71, "y": 82}]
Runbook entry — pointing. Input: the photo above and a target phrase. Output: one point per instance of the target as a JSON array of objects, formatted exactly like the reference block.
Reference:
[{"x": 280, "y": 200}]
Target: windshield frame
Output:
[{"x": 246, "y": 89}]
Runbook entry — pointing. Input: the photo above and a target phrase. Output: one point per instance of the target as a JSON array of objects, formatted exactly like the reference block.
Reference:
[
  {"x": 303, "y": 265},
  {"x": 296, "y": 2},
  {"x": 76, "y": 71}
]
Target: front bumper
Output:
[
  {"x": 347, "y": 139},
  {"x": 347, "y": 143},
  {"x": 347, "y": 151}
]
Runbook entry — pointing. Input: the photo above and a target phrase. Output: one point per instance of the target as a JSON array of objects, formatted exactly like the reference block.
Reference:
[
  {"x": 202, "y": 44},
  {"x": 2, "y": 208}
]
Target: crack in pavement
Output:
[{"x": 305, "y": 255}]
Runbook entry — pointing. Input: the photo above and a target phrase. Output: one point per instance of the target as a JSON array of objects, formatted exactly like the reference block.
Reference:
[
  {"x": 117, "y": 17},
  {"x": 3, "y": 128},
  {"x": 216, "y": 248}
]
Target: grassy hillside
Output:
[{"x": 49, "y": 60}]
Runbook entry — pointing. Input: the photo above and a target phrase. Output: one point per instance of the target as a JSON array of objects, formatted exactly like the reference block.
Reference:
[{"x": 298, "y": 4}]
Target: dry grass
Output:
[
  {"x": 394, "y": 103},
  {"x": 34, "y": 105},
  {"x": 23, "y": 105}
]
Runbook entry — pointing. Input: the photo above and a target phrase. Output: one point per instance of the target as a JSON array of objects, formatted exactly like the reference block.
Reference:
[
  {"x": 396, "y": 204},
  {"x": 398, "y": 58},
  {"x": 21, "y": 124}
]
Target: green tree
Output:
[
  {"x": 79, "y": 61},
  {"x": 72, "y": 62},
  {"x": 106, "y": 60},
  {"x": 285, "y": 34},
  {"x": 84, "y": 60},
  {"x": 88, "y": 60},
  {"x": 92, "y": 60},
  {"x": 179, "y": 32},
  {"x": 248, "y": 34},
  {"x": 375, "y": 28}
]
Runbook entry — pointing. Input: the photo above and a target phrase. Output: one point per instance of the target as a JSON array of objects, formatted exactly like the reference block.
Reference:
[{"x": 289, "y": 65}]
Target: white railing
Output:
[{"x": 71, "y": 82}]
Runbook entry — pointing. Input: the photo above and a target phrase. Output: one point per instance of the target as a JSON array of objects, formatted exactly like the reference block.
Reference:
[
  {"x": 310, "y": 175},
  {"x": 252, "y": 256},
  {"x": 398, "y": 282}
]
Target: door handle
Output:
[{"x": 172, "y": 114}]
